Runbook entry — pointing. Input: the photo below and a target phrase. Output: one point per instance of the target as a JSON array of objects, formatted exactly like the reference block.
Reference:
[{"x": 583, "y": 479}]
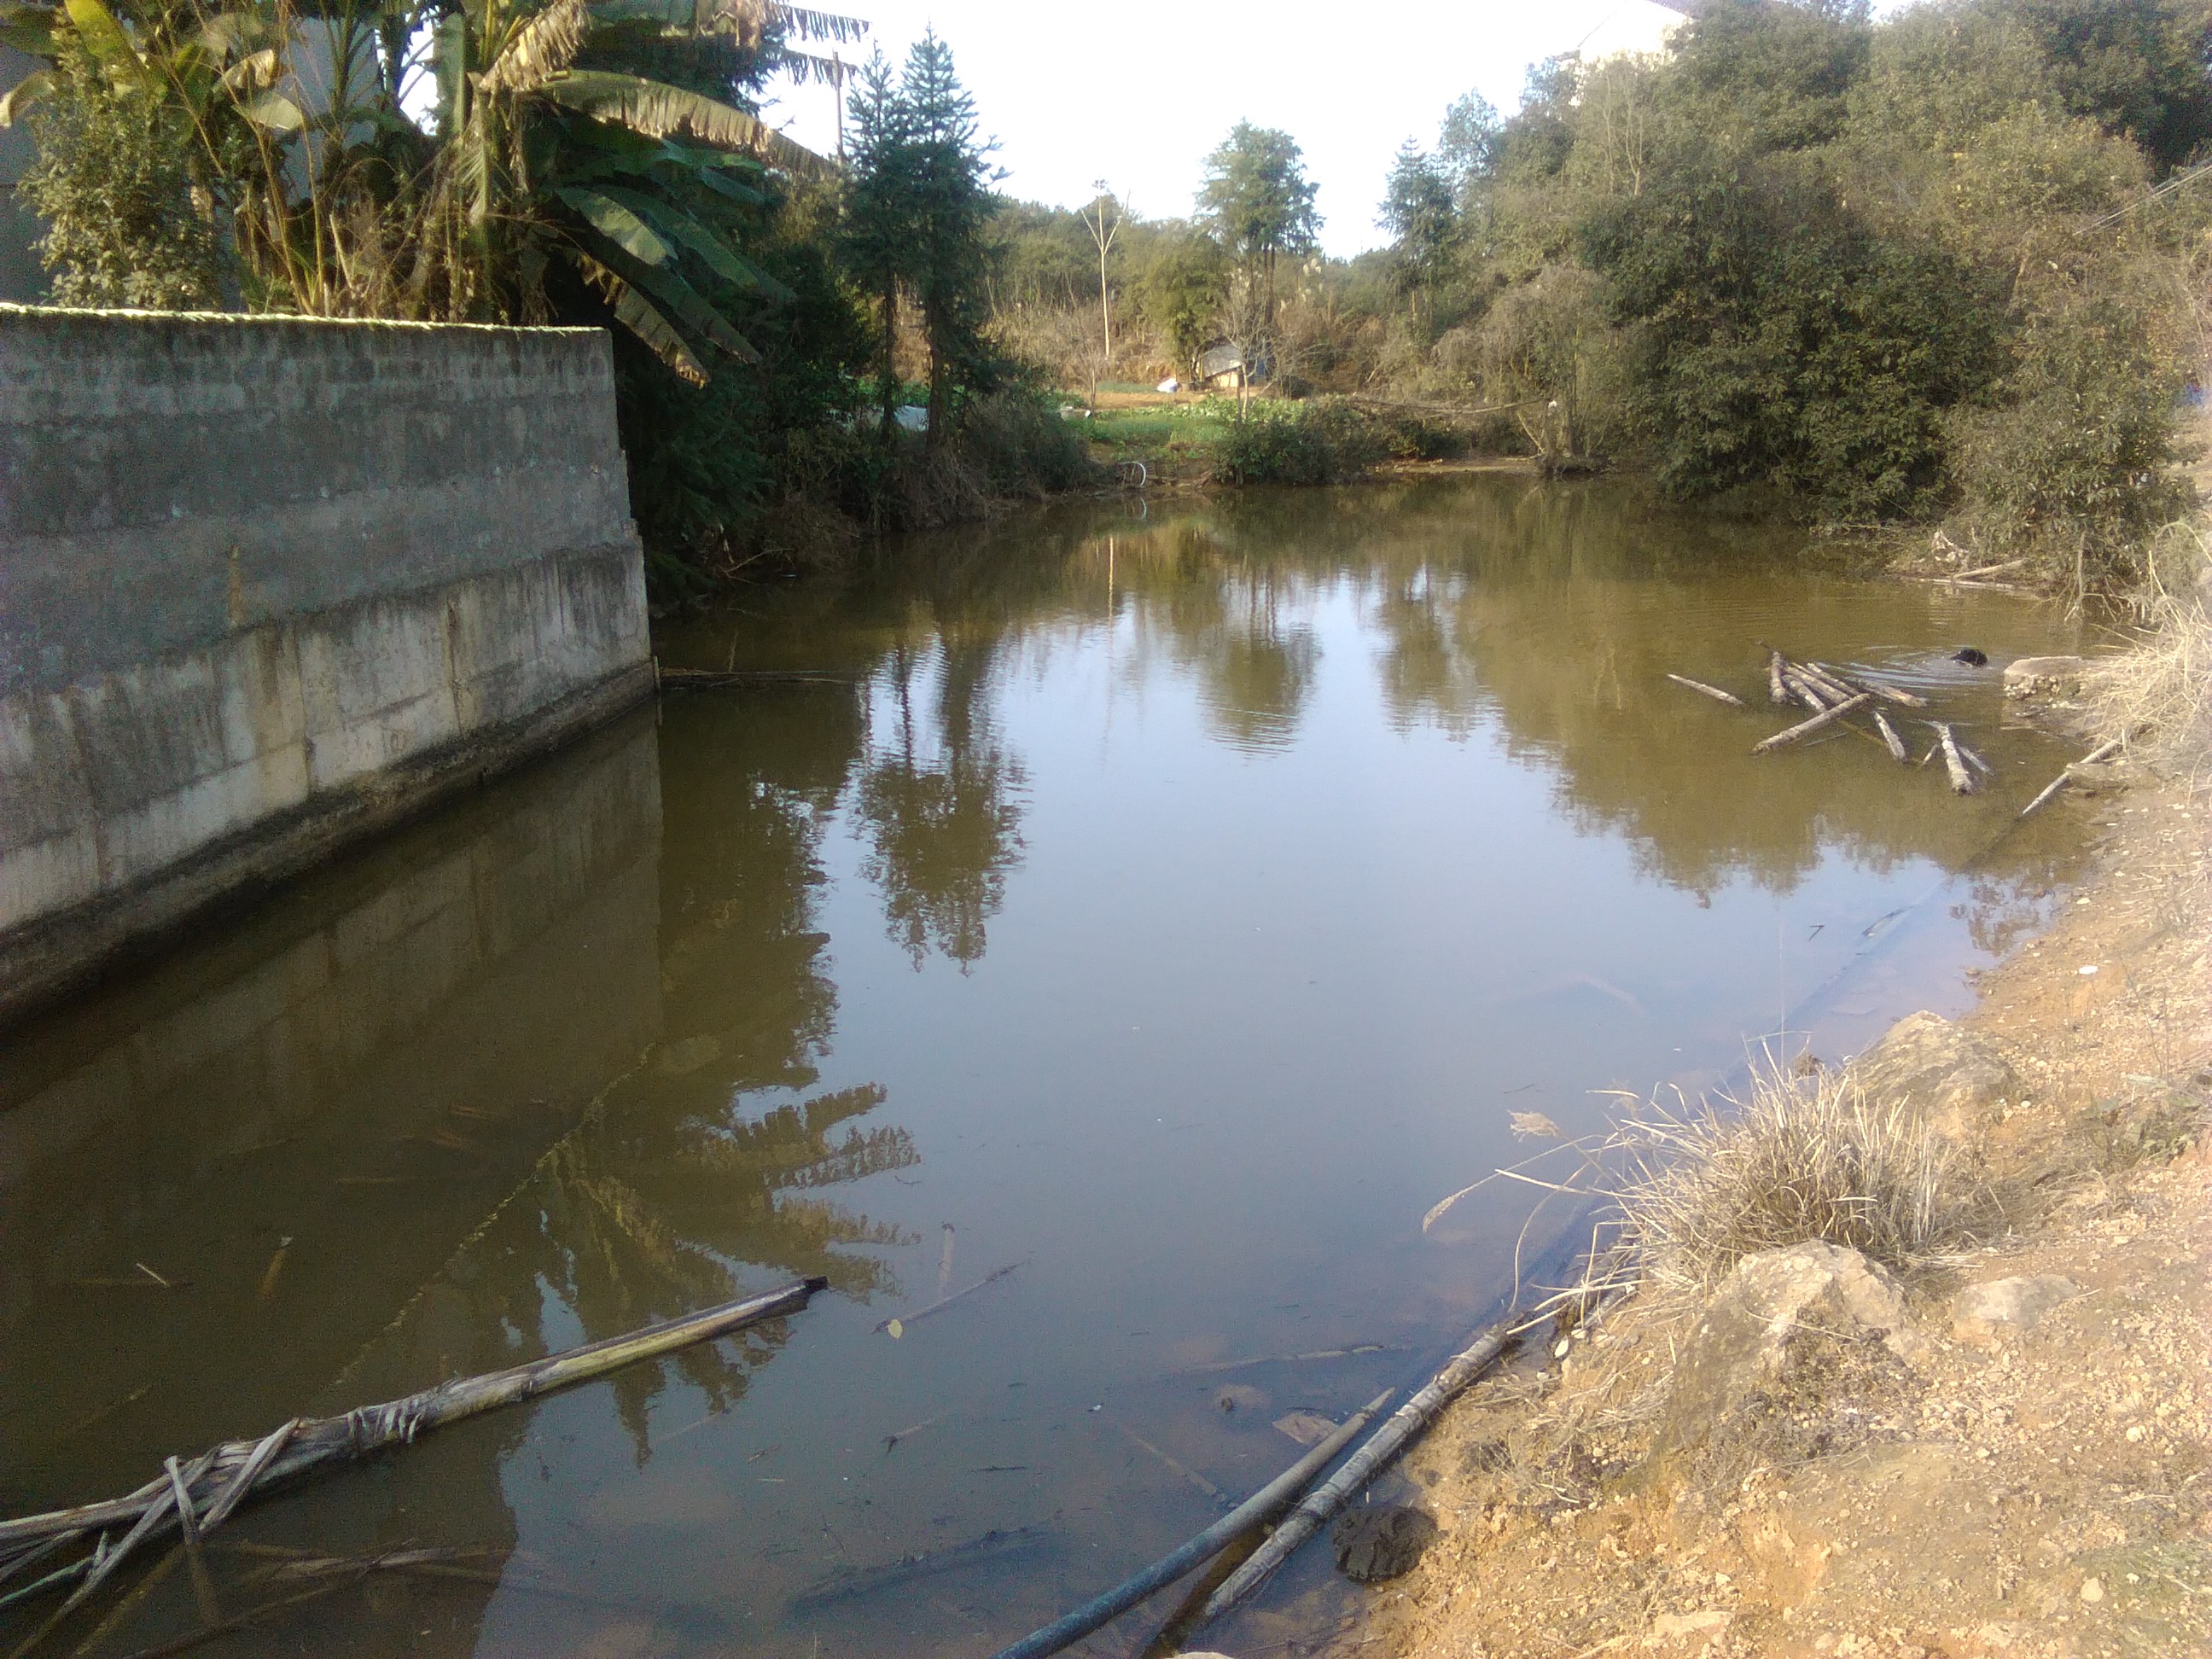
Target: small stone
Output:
[
  {"x": 1381, "y": 1542},
  {"x": 2093, "y": 1590},
  {"x": 1985, "y": 1315}
]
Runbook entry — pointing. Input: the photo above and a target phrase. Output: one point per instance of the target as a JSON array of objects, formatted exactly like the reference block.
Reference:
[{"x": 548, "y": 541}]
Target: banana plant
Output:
[
  {"x": 547, "y": 155},
  {"x": 547, "y": 144}
]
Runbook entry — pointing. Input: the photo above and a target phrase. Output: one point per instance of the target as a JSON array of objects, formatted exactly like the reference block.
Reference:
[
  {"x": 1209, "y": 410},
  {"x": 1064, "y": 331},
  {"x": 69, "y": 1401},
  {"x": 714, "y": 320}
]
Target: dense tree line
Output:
[
  {"x": 1879, "y": 269},
  {"x": 1946, "y": 262}
]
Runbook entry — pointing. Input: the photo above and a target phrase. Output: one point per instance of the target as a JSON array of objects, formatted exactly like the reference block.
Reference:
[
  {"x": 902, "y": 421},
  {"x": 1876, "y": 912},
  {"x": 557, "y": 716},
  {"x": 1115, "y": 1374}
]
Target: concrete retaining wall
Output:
[{"x": 269, "y": 584}]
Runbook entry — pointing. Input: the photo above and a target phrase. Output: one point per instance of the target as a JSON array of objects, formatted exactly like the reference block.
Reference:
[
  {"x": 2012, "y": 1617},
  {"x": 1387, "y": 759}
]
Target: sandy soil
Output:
[{"x": 2044, "y": 1490}]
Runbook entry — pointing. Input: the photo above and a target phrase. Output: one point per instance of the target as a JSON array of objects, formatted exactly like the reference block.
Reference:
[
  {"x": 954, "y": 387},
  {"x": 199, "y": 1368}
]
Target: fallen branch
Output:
[
  {"x": 994, "y": 1545},
  {"x": 1314, "y": 1511},
  {"x": 2102, "y": 751},
  {"x": 1777, "y": 690},
  {"x": 1262, "y": 1506},
  {"x": 1713, "y": 691},
  {"x": 898, "y": 1323},
  {"x": 1174, "y": 1464},
  {"x": 1806, "y": 729},
  {"x": 220, "y": 1479},
  {"x": 1218, "y": 1366}
]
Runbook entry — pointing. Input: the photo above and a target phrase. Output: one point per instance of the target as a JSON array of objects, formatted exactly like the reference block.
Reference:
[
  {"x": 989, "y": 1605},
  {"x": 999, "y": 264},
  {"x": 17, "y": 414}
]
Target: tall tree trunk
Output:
[
  {"x": 886, "y": 362},
  {"x": 940, "y": 397}
]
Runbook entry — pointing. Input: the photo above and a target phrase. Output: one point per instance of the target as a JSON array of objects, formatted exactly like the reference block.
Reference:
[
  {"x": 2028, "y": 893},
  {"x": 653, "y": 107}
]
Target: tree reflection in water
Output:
[{"x": 942, "y": 819}]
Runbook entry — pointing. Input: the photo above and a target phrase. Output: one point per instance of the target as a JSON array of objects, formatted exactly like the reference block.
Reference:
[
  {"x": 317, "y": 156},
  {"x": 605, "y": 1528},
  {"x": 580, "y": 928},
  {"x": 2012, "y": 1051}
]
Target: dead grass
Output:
[
  {"x": 1796, "y": 1159},
  {"x": 2158, "y": 693}
]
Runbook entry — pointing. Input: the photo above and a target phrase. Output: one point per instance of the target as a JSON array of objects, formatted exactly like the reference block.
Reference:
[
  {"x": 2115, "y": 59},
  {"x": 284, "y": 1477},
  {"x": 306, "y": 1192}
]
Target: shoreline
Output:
[{"x": 2032, "y": 1486}]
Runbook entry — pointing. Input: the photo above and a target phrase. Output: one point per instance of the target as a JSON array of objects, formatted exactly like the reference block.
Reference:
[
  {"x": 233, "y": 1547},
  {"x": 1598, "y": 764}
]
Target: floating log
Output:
[
  {"x": 1806, "y": 729},
  {"x": 219, "y": 1480},
  {"x": 1262, "y": 1506},
  {"x": 2102, "y": 751},
  {"x": 1713, "y": 691},
  {"x": 1963, "y": 781},
  {"x": 1889, "y": 694},
  {"x": 1806, "y": 691},
  {"x": 1891, "y": 741},
  {"x": 1832, "y": 686},
  {"x": 1777, "y": 691},
  {"x": 1315, "y": 1509},
  {"x": 898, "y": 1323}
]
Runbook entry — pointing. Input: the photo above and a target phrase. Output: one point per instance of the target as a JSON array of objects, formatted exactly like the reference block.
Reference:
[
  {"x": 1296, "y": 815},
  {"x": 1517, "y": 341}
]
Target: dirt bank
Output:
[{"x": 2025, "y": 1470}]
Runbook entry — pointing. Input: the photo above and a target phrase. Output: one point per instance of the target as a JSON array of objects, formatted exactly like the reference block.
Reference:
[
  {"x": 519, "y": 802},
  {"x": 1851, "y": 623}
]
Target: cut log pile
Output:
[{"x": 1835, "y": 697}]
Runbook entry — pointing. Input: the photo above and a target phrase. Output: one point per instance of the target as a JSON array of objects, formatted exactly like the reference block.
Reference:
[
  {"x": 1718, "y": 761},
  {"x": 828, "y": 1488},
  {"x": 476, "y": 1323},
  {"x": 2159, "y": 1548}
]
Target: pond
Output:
[{"x": 1143, "y": 912}]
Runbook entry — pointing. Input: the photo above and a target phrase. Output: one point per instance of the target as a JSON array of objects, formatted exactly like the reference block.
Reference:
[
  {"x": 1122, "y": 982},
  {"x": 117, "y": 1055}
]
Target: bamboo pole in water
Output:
[
  {"x": 1894, "y": 744},
  {"x": 1314, "y": 1511},
  {"x": 1777, "y": 690},
  {"x": 1263, "y": 1506},
  {"x": 222, "y": 1478}
]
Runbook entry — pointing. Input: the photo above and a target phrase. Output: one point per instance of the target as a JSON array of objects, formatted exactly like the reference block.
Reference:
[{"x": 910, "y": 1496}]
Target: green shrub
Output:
[
  {"x": 1312, "y": 443},
  {"x": 1016, "y": 439},
  {"x": 113, "y": 181},
  {"x": 2074, "y": 469},
  {"x": 1405, "y": 436},
  {"x": 1780, "y": 343}
]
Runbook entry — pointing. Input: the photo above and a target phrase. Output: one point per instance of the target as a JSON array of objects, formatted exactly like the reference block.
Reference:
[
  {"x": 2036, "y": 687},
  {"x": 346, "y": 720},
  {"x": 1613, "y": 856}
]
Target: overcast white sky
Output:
[{"x": 1138, "y": 92}]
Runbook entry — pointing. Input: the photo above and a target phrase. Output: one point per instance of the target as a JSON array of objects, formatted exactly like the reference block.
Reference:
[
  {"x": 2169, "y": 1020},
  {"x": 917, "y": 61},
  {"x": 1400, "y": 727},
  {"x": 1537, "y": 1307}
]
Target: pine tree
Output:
[
  {"x": 881, "y": 211},
  {"x": 1418, "y": 212},
  {"x": 1259, "y": 203},
  {"x": 952, "y": 199}
]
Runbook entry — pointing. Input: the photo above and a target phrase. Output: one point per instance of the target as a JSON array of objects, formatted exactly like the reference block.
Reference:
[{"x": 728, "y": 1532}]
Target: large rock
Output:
[
  {"x": 1383, "y": 1541},
  {"x": 1775, "y": 1326},
  {"x": 1986, "y": 1314},
  {"x": 1951, "y": 1079}
]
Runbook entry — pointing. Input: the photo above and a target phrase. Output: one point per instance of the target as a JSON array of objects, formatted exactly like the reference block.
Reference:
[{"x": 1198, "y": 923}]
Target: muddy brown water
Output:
[{"x": 1174, "y": 902}]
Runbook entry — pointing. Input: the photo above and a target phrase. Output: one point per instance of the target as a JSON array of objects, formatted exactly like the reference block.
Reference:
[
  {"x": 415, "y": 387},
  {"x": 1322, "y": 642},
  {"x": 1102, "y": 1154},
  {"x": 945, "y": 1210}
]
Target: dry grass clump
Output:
[
  {"x": 1796, "y": 1159},
  {"x": 2159, "y": 693}
]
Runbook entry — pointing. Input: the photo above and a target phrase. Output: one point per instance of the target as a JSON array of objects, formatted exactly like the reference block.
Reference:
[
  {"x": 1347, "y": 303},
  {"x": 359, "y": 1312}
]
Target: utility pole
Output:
[
  {"x": 837, "y": 81},
  {"x": 1103, "y": 233}
]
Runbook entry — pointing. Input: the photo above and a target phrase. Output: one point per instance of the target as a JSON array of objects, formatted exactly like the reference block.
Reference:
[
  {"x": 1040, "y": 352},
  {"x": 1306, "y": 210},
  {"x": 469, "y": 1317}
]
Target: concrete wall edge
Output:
[{"x": 46, "y": 959}]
